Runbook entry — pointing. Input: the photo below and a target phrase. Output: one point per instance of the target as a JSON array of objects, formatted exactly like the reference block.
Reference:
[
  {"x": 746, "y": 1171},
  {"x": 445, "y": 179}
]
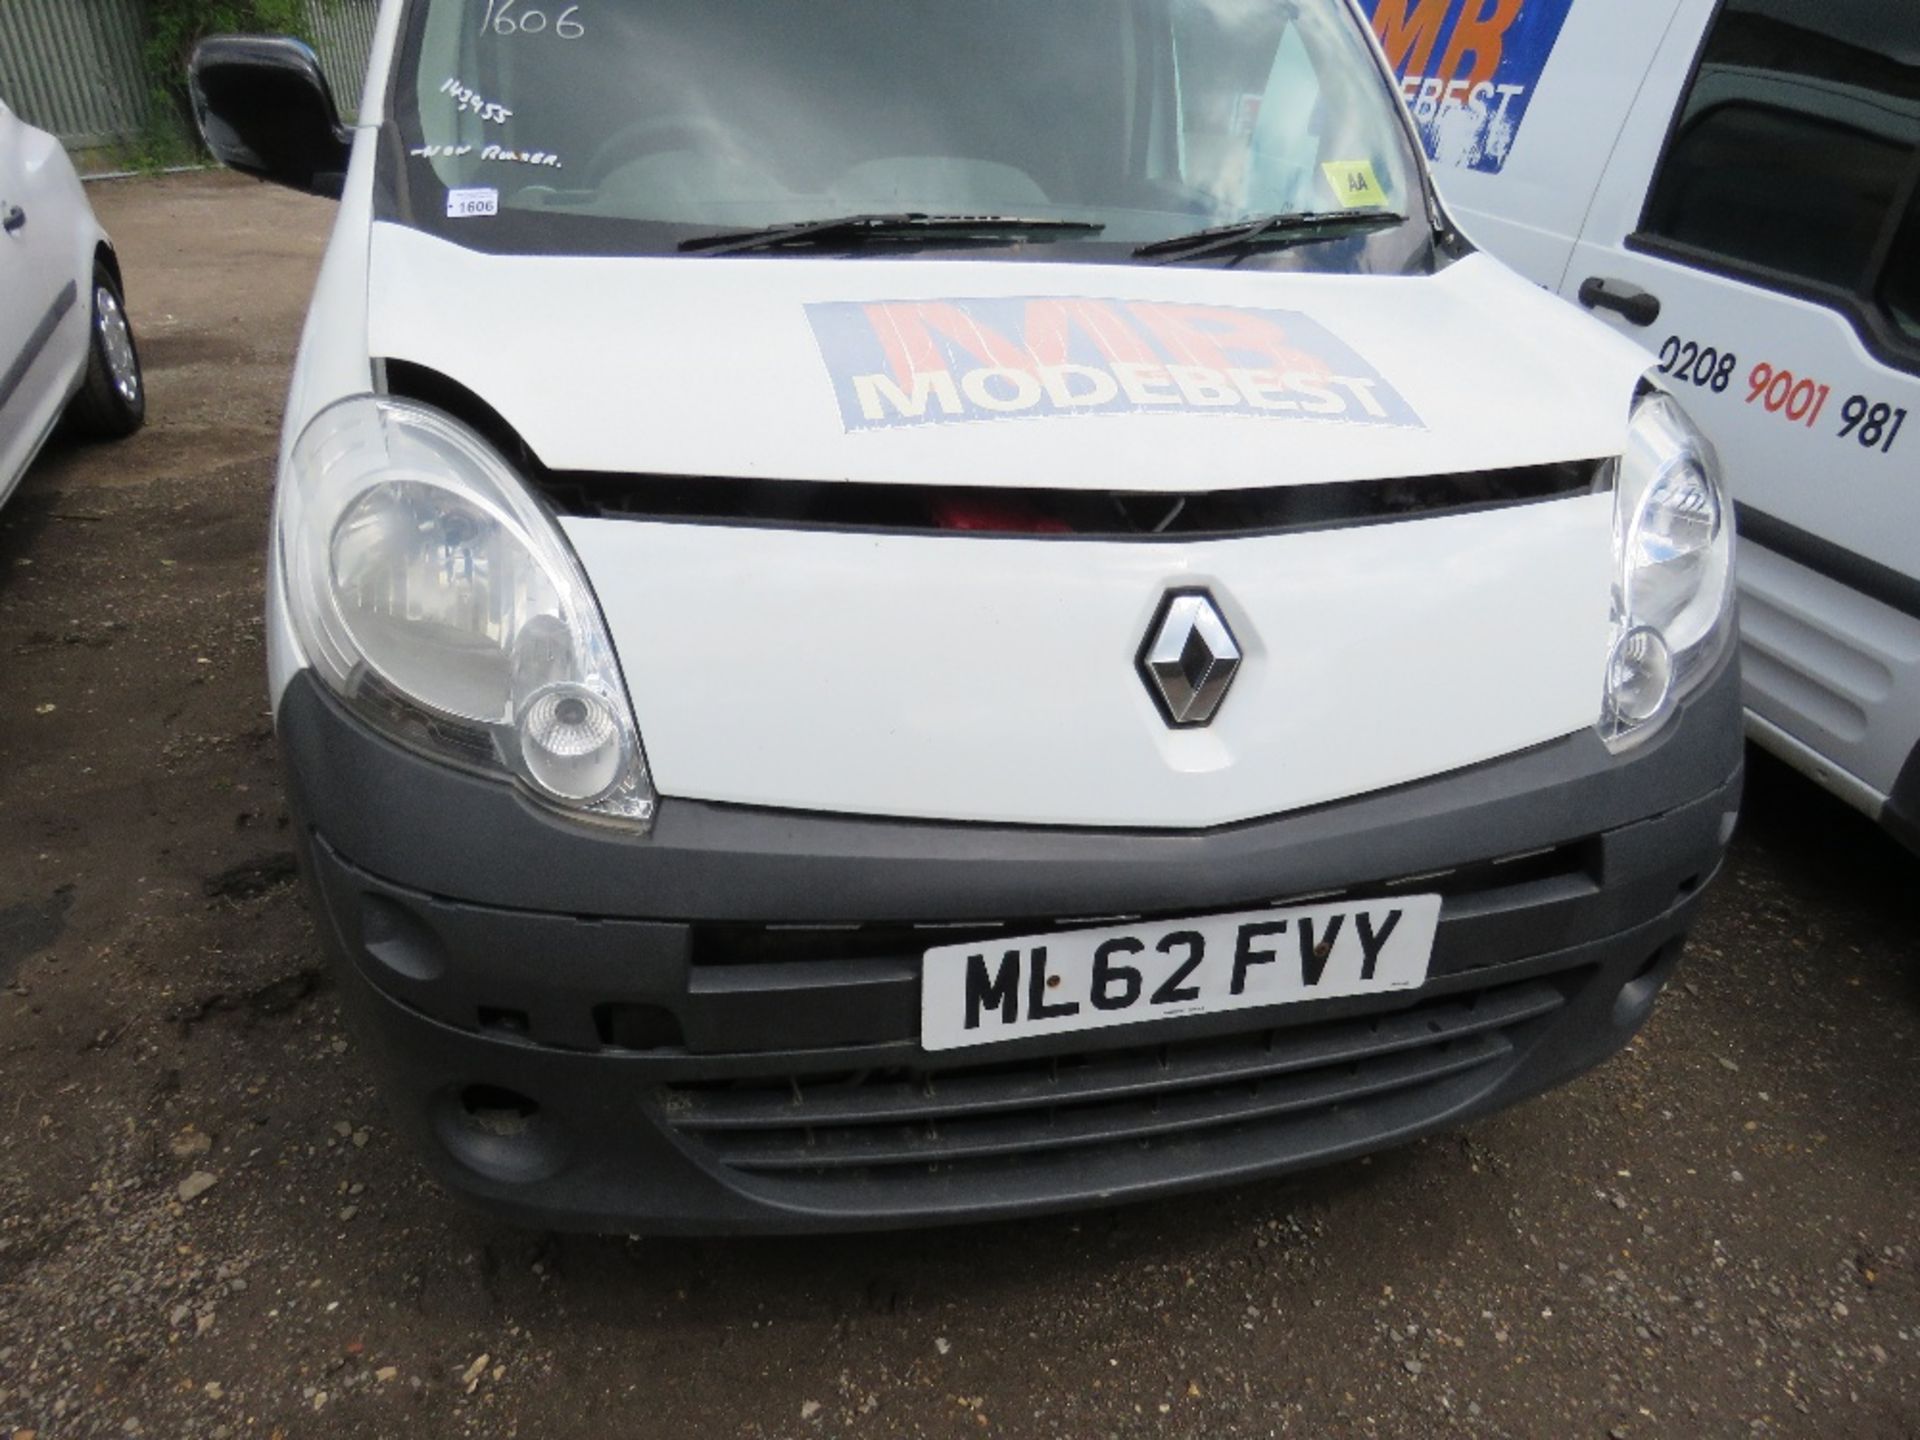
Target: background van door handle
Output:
[
  {"x": 1636, "y": 306},
  {"x": 12, "y": 218}
]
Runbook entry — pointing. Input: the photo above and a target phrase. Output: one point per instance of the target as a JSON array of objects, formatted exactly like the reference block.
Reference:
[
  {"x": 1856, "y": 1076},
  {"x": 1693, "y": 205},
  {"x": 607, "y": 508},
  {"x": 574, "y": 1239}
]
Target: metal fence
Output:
[
  {"x": 343, "y": 34},
  {"x": 75, "y": 66}
]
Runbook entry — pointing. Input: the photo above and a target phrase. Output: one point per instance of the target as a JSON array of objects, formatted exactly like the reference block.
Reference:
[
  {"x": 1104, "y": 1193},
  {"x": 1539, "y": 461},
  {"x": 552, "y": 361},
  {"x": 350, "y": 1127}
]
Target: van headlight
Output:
[
  {"x": 436, "y": 597},
  {"x": 1673, "y": 571}
]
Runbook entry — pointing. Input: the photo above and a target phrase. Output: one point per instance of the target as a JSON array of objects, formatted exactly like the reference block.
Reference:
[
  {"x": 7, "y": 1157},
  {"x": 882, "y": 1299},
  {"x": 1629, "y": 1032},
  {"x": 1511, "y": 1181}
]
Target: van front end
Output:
[
  {"x": 857, "y": 653},
  {"x": 743, "y": 855}
]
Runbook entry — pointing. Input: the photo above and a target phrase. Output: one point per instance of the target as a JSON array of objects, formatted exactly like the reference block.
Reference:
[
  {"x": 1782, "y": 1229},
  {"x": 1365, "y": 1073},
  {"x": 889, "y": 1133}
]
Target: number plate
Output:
[{"x": 1007, "y": 989}]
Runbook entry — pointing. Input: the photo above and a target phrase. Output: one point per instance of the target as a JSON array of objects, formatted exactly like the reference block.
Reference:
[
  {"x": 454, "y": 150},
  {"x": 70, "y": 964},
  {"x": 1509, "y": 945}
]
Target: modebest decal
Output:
[
  {"x": 928, "y": 362},
  {"x": 1469, "y": 69}
]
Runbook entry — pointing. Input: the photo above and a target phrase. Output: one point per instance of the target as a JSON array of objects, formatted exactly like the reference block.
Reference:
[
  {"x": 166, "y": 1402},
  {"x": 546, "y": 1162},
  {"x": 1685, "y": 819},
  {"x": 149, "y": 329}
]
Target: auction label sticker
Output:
[
  {"x": 897, "y": 363},
  {"x": 466, "y": 204}
]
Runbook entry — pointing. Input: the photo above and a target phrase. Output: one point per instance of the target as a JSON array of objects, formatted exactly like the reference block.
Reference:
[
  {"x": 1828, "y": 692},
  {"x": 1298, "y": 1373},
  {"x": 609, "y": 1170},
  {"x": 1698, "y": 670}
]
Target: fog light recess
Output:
[
  {"x": 1635, "y": 1002},
  {"x": 500, "y": 1133}
]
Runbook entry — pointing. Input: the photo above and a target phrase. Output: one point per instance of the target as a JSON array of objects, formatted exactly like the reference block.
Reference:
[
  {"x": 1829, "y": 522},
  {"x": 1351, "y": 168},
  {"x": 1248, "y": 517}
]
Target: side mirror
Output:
[{"x": 265, "y": 109}]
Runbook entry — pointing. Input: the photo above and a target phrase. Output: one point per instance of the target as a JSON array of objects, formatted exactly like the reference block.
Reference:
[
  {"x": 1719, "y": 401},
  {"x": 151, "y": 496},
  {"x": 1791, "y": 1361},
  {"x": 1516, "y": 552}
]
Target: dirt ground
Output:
[{"x": 1714, "y": 1235}]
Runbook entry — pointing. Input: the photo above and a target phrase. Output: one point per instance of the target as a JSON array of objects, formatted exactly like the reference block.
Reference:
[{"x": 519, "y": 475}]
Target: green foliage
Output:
[{"x": 174, "y": 27}]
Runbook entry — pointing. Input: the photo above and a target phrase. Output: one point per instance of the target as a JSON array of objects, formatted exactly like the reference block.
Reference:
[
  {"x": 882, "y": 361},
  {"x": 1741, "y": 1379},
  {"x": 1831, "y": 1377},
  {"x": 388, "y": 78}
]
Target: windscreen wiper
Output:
[
  {"x": 859, "y": 229},
  {"x": 1287, "y": 228}
]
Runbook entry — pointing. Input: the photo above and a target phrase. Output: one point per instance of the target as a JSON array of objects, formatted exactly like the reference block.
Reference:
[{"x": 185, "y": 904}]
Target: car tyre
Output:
[{"x": 112, "y": 403}]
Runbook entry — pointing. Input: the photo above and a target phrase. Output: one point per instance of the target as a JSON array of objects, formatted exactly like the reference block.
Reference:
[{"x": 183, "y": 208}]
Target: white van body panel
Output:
[
  {"x": 1826, "y": 669},
  {"x": 709, "y": 367},
  {"x": 968, "y": 678}
]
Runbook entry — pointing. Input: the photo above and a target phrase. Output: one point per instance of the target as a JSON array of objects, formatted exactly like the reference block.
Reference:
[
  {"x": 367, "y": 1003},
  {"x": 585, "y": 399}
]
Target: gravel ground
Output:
[{"x": 207, "y": 1230}]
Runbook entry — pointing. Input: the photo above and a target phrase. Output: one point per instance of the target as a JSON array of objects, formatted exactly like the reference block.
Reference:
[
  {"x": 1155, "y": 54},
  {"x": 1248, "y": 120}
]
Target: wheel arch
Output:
[{"x": 104, "y": 255}]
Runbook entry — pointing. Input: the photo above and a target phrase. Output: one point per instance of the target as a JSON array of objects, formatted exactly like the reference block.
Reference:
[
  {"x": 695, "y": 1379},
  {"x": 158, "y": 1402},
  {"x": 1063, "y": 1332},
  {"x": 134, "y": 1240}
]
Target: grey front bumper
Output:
[{"x": 715, "y": 1028}]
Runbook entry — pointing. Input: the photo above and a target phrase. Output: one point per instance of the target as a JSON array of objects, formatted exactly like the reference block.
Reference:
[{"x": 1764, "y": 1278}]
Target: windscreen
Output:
[{"x": 1150, "y": 118}]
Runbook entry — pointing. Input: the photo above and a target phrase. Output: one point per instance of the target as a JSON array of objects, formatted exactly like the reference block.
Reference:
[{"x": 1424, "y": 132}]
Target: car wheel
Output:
[{"x": 112, "y": 403}]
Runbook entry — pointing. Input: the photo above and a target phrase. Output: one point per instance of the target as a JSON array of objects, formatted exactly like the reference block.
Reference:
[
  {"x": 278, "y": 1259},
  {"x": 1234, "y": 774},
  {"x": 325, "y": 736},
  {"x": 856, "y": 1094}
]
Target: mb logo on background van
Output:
[
  {"x": 1469, "y": 70},
  {"x": 857, "y": 652}
]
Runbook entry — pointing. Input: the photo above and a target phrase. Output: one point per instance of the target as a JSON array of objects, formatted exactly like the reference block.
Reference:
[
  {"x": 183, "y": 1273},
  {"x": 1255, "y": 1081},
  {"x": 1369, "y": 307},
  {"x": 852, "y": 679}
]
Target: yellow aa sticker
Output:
[{"x": 1354, "y": 182}]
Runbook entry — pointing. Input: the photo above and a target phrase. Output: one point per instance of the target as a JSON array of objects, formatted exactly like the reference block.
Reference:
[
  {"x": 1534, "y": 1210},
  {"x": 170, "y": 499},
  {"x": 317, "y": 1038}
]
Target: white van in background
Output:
[{"x": 1735, "y": 183}]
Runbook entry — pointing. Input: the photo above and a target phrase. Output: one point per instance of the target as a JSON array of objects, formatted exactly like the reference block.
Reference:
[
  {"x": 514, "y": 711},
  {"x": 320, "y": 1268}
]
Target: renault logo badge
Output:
[{"x": 1189, "y": 659}]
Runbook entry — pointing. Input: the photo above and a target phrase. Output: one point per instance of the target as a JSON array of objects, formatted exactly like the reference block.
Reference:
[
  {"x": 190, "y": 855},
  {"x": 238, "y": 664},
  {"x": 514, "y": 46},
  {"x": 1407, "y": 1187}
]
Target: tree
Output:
[{"x": 174, "y": 27}]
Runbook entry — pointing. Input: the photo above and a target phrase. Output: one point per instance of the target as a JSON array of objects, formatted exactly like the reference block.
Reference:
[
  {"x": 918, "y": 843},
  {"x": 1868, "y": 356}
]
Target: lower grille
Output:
[{"x": 909, "y": 1123}]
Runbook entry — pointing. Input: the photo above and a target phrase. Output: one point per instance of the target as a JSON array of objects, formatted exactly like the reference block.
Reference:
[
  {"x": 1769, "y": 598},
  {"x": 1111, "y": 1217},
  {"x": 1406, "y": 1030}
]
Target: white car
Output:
[
  {"x": 1737, "y": 187},
  {"x": 897, "y": 613},
  {"x": 66, "y": 345}
]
